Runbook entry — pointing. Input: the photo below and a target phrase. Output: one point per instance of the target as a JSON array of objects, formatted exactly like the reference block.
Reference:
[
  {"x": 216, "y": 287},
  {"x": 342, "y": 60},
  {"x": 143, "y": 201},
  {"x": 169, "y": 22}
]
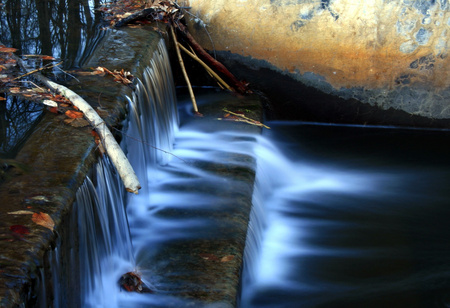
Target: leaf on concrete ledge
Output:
[{"x": 43, "y": 219}]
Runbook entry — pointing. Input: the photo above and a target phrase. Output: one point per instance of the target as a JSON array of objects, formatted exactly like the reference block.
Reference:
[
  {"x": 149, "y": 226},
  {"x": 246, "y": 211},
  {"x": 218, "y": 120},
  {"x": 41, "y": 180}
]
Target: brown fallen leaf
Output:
[
  {"x": 43, "y": 219},
  {"x": 227, "y": 258},
  {"x": 77, "y": 122},
  {"x": 74, "y": 114},
  {"x": 19, "y": 229},
  {"x": 53, "y": 110}
]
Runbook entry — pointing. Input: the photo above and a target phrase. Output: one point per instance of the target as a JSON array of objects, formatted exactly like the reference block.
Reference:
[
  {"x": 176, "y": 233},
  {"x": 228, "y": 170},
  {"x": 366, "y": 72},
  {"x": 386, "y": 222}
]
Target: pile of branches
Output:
[{"x": 172, "y": 14}]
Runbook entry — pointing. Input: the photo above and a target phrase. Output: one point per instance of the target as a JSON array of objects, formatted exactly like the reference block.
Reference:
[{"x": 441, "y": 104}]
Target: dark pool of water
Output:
[
  {"x": 67, "y": 30},
  {"x": 353, "y": 217}
]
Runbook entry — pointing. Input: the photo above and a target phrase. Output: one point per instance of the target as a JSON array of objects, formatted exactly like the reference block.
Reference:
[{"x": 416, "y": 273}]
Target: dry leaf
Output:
[
  {"x": 7, "y": 49},
  {"x": 19, "y": 229},
  {"x": 21, "y": 213},
  {"x": 227, "y": 258},
  {"x": 14, "y": 90},
  {"x": 102, "y": 112},
  {"x": 74, "y": 114},
  {"x": 49, "y": 103},
  {"x": 43, "y": 219},
  {"x": 53, "y": 110},
  {"x": 78, "y": 122}
]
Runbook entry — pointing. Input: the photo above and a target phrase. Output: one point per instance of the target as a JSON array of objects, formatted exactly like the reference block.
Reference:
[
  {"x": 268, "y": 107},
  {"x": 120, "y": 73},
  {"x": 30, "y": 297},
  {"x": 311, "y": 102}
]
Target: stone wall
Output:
[{"x": 387, "y": 53}]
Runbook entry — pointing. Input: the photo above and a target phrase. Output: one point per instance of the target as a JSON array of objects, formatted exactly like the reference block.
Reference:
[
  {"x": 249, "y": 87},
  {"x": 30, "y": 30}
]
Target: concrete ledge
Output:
[{"x": 59, "y": 157}]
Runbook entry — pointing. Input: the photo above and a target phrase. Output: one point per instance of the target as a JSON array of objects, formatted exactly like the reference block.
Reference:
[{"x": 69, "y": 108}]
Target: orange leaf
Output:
[
  {"x": 95, "y": 134},
  {"x": 74, "y": 114},
  {"x": 7, "y": 49},
  {"x": 53, "y": 109},
  {"x": 43, "y": 219},
  {"x": 47, "y": 58}
]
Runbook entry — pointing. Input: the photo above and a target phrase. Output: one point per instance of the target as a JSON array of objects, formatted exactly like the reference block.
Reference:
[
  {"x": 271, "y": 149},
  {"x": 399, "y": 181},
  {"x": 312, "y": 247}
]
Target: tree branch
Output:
[{"x": 118, "y": 158}]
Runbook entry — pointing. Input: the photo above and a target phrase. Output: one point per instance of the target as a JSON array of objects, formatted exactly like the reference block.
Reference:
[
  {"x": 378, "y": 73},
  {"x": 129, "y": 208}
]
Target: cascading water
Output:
[
  {"x": 342, "y": 216},
  {"x": 354, "y": 217},
  {"x": 182, "y": 201}
]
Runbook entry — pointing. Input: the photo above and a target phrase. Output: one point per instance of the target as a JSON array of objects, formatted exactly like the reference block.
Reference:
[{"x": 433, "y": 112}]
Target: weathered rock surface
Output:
[{"x": 389, "y": 54}]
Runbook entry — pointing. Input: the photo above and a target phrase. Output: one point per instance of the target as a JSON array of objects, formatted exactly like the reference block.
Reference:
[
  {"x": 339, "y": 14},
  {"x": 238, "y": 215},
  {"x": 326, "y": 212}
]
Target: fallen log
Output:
[{"x": 115, "y": 153}]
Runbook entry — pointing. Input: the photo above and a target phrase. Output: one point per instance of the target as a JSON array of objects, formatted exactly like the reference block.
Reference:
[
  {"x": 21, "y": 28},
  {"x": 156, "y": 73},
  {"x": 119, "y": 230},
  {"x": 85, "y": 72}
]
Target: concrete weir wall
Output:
[
  {"x": 386, "y": 53},
  {"x": 59, "y": 157}
]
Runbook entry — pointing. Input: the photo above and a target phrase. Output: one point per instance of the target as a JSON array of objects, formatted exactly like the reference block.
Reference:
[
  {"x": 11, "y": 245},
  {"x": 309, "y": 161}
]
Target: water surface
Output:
[{"x": 350, "y": 216}]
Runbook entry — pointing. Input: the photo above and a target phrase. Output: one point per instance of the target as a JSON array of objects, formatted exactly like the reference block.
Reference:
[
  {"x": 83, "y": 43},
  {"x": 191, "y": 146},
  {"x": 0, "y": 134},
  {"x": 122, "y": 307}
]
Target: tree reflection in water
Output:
[
  {"x": 17, "y": 118},
  {"x": 65, "y": 29}
]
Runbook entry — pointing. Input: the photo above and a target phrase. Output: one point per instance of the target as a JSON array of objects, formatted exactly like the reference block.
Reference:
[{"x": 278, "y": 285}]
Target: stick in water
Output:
[{"x": 186, "y": 77}]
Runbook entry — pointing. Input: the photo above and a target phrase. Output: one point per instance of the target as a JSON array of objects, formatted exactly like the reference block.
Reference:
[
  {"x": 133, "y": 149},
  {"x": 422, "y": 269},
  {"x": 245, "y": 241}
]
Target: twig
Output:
[
  {"x": 238, "y": 85},
  {"x": 118, "y": 158},
  {"x": 37, "y": 70},
  {"x": 68, "y": 74},
  {"x": 186, "y": 77},
  {"x": 148, "y": 144},
  {"x": 248, "y": 120},
  {"x": 217, "y": 77}
]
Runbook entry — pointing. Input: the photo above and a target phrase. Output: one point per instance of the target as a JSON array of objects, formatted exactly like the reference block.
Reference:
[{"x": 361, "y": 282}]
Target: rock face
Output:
[{"x": 389, "y": 54}]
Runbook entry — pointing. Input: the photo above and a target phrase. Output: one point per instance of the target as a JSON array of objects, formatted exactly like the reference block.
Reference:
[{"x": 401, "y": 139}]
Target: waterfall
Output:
[{"x": 98, "y": 247}]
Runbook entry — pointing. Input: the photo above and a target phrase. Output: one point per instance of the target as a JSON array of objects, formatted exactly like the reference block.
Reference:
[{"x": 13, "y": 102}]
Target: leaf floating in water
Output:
[
  {"x": 19, "y": 229},
  {"x": 43, "y": 219},
  {"x": 7, "y": 49}
]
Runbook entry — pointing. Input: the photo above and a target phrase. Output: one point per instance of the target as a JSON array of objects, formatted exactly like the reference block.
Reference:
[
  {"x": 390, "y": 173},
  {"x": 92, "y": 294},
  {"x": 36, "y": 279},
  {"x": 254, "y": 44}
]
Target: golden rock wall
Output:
[{"x": 384, "y": 52}]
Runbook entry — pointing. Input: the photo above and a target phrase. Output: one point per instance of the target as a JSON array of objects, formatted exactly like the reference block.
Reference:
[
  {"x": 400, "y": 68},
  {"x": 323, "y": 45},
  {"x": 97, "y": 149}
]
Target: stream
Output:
[{"x": 343, "y": 215}]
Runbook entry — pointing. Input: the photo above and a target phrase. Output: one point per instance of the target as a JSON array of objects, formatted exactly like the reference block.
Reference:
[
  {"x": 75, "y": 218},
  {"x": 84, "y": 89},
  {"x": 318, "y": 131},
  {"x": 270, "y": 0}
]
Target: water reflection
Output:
[
  {"x": 17, "y": 119},
  {"x": 64, "y": 29}
]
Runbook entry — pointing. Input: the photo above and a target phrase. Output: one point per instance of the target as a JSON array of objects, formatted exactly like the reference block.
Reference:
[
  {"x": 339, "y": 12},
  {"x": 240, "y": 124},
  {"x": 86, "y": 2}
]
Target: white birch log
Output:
[
  {"x": 113, "y": 149},
  {"x": 118, "y": 158}
]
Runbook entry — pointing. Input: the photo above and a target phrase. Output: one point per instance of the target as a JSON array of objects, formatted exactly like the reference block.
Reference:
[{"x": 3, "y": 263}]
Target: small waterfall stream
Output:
[
  {"x": 343, "y": 216},
  {"x": 181, "y": 201},
  {"x": 357, "y": 216}
]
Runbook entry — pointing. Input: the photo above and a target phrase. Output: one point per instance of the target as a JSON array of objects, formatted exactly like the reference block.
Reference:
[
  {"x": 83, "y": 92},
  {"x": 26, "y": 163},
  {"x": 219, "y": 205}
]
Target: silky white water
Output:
[{"x": 343, "y": 216}]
